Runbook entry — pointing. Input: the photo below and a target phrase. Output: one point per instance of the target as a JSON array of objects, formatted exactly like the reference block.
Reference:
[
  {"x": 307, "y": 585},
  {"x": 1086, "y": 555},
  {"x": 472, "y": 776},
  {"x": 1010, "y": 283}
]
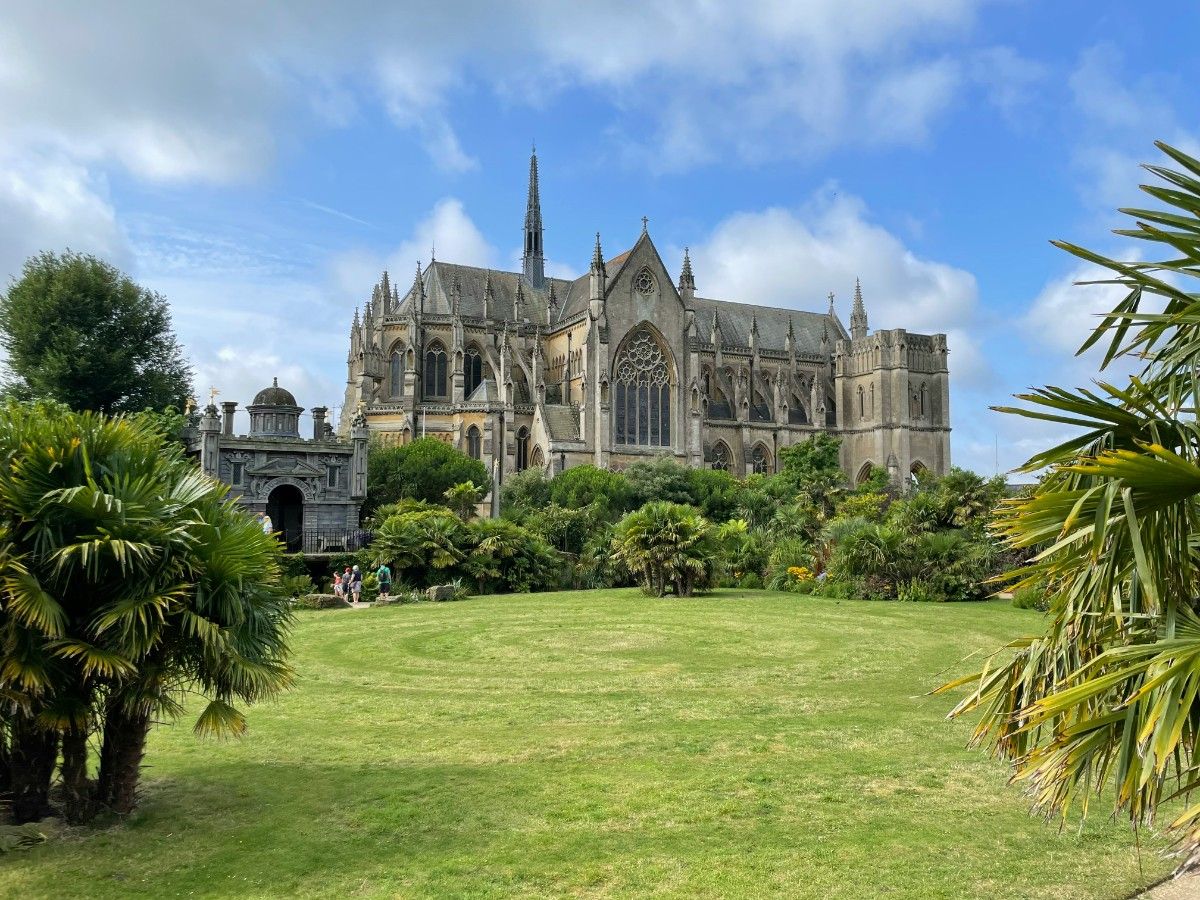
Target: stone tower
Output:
[{"x": 893, "y": 400}]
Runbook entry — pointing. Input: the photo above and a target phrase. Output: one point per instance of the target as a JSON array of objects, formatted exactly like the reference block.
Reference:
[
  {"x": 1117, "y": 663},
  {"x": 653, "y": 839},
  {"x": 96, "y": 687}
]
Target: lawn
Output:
[{"x": 745, "y": 744}]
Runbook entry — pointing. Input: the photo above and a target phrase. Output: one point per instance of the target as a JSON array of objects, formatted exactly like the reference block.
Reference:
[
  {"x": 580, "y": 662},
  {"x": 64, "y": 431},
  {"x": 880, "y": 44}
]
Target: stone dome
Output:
[{"x": 274, "y": 396}]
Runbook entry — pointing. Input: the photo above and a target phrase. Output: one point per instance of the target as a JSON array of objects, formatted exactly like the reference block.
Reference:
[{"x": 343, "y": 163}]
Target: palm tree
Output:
[
  {"x": 668, "y": 546},
  {"x": 1109, "y": 695},
  {"x": 126, "y": 579}
]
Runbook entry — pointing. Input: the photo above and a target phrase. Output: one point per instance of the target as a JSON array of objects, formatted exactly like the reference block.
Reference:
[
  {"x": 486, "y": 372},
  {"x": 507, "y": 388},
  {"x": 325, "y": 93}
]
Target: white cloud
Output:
[
  {"x": 1121, "y": 115},
  {"x": 1065, "y": 311},
  {"x": 793, "y": 258},
  {"x": 48, "y": 202},
  {"x": 447, "y": 228},
  {"x": 240, "y": 333},
  {"x": 203, "y": 92}
]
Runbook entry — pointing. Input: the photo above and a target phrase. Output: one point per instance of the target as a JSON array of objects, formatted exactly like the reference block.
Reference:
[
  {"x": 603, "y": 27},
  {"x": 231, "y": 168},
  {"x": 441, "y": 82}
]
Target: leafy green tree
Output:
[
  {"x": 524, "y": 493},
  {"x": 582, "y": 486},
  {"x": 668, "y": 546},
  {"x": 661, "y": 479},
  {"x": 567, "y": 528},
  {"x": 127, "y": 581},
  {"x": 715, "y": 492},
  {"x": 78, "y": 331},
  {"x": 815, "y": 461},
  {"x": 423, "y": 469},
  {"x": 1105, "y": 699}
]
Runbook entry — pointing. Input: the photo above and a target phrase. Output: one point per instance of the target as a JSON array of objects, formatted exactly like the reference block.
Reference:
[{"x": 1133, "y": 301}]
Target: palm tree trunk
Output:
[
  {"x": 31, "y": 756},
  {"x": 5, "y": 761},
  {"x": 77, "y": 805},
  {"x": 121, "y": 754}
]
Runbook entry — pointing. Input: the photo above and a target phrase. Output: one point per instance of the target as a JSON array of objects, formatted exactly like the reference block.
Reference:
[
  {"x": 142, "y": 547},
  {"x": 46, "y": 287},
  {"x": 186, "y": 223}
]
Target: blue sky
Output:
[{"x": 260, "y": 165}]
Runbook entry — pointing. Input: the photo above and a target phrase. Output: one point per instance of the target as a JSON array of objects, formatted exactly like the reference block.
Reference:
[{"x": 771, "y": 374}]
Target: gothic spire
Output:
[
  {"x": 686, "y": 280},
  {"x": 598, "y": 257},
  {"x": 831, "y": 313},
  {"x": 858, "y": 315},
  {"x": 418, "y": 288},
  {"x": 552, "y": 300},
  {"x": 533, "y": 262},
  {"x": 518, "y": 301}
]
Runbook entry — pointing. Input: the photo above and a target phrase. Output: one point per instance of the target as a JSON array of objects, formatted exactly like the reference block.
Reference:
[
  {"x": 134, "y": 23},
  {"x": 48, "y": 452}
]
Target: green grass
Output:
[{"x": 602, "y": 743}]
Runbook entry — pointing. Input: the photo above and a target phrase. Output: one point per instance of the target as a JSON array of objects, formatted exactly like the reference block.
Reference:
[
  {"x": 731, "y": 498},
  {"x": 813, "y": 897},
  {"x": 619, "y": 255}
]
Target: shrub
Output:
[
  {"x": 297, "y": 585},
  {"x": 1033, "y": 596},
  {"x": 507, "y": 557},
  {"x": 789, "y": 556},
  {"x": 420, "y": 546},
  {"x": 524, "y": 493},
  {"x": 715, "y": 492},
  {"x": 566, "y": 529},
  {"x": 661, "y": 480},
  {"x": 610, "y": 493},
  {"x": 867, "y": 505}
]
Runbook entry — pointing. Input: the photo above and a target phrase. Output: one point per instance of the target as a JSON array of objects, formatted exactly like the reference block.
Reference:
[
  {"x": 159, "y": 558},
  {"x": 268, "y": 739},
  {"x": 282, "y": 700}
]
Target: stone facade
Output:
[
  {"x": 311, "y": 488},
  {"x": 626, "y": 363}
]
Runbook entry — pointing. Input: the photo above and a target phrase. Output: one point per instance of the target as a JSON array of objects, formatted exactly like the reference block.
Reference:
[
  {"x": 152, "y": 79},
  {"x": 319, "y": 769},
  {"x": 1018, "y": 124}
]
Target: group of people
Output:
[{"x": 348, "y": 584}]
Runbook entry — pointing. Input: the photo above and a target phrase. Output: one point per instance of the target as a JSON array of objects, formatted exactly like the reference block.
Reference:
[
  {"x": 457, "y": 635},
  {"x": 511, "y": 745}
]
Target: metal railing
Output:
[{"x": 331, "y": 540}]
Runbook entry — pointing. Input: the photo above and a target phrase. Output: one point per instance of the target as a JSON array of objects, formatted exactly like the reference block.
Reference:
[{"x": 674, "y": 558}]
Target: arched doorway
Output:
[
  {"x": 285, "y": 506},
  {"x": 917, "y": 473}
]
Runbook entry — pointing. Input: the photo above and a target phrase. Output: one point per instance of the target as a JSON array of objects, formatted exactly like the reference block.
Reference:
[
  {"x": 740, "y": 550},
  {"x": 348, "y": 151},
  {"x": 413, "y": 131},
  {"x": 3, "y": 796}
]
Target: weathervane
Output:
[{"x": 212, "y": 395}]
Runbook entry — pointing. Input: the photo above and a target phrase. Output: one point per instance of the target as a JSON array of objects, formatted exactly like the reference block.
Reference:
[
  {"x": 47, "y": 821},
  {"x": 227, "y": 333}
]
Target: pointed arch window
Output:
[
  {"x": 642, "y": 393},
  {"x": 435, "y": 370},
  {"x": 474, "y": 442},
  {"x": 924, "y": 393},
  {"x": 862, "y": 411},
  {"x": 720, "y": 457},
  {"x": 472, "y": 370},
  {"x": 396, "y": 374},
  {"x": 760, "y": 460},
  {"x": 522, "y": 449}
]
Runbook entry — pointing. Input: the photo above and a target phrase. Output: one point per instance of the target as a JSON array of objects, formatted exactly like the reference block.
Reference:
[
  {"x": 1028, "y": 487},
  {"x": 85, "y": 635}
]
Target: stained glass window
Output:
[{"x": 642, "y": 399}]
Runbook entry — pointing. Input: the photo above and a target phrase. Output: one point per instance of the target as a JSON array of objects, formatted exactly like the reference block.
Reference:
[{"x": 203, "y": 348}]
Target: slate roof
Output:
[
  {"x": 562, "y": 422},
  {"x": 438, "y": 279},
  {"x": 735, "y": 321},
  {"x": 572, "y": 297}
]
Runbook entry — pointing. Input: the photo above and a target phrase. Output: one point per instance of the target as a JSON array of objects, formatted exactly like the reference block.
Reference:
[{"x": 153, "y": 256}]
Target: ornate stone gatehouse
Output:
[
  {"x": 311, "y": 488},
  {"x": 626, "y": 362}
]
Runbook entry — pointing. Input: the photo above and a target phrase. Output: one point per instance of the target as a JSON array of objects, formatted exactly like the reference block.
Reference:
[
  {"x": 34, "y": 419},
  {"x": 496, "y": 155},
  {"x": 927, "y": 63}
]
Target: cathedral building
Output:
[{"x": 627, "y": 363}]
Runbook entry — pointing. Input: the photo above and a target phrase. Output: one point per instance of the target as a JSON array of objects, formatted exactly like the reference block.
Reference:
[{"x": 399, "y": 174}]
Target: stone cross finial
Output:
[
  {"x": 831, "y": 303},
  {"x": 645, "y": 225}
]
